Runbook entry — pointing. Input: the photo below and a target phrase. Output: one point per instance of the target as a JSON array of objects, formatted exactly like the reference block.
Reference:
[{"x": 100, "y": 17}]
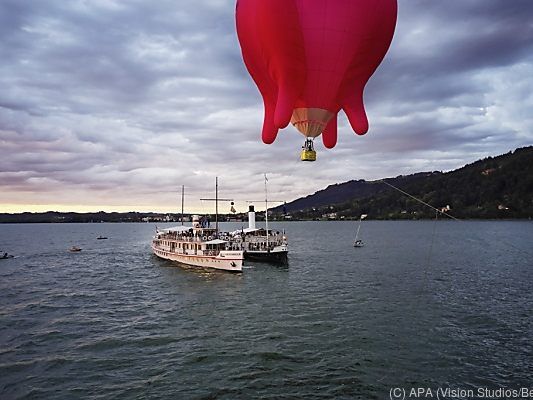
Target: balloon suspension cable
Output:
[{"x": 309, "y": 144}]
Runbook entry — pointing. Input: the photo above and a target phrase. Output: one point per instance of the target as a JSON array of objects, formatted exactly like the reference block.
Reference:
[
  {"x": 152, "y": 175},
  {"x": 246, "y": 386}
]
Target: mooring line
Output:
[
  {"x": 507, "y": 243},
  {"x": 437, "y": 211},
  {"x": 419, "y": 200},
  {"x": 523, "y": 252}
]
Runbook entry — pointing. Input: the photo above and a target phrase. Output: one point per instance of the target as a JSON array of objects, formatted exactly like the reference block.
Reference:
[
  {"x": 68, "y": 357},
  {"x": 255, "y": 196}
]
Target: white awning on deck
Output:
[
  {"x": 215, "y": 241},
  {"x": 246, "y": 230},
  {"x": 176, "y": 229}
]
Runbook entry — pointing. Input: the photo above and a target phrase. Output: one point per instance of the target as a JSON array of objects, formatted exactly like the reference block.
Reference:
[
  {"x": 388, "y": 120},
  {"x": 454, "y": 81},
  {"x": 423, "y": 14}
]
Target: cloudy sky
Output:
[{"x": 113, "y": 105}]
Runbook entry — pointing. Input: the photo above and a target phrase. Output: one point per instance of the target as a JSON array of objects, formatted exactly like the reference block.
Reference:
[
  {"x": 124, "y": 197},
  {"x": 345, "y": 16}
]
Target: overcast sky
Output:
[{"x": 113, "y": 105}]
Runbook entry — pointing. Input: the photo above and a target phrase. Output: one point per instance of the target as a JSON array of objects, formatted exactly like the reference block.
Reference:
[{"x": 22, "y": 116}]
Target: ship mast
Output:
[
  {"x": 216, "y": 200},
  {"x": 266, "y": 208},
  {"x": 182, "y": 196}
]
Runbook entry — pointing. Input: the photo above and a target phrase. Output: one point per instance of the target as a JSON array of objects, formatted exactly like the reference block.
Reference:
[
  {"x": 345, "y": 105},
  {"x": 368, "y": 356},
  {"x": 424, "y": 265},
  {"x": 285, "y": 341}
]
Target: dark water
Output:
[{"x": 410, "y": 309}]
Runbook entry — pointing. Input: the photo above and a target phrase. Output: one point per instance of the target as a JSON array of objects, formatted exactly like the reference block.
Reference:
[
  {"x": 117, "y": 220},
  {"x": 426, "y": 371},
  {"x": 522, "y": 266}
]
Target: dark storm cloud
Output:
[
  {"x": 441, "y": 81},
  {"x": 439, "y": 46},
  {"x": 459, "y": 36},
  {"x": 103, "y": 97}
]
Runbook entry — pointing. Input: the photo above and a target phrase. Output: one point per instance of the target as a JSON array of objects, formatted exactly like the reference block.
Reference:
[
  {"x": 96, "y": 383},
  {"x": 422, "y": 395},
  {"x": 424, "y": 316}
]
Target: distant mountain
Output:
[
  {"x": 351, "y": 190},
  {"x": 495, "y": 187},
  {"x": 101, "y": 216}
]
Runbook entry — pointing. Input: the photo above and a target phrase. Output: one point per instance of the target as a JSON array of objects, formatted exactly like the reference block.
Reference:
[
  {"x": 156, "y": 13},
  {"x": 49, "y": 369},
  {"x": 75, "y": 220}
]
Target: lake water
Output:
[{"x": 423, "y": 304}]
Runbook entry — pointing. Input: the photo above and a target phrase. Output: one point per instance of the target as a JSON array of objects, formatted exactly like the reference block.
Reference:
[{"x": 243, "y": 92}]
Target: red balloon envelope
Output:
[{"x": 312, "y": 58}]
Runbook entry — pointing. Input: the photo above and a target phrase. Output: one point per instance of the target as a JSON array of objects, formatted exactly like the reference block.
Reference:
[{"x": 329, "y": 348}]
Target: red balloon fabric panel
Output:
[{"x": 312, "y": 58}]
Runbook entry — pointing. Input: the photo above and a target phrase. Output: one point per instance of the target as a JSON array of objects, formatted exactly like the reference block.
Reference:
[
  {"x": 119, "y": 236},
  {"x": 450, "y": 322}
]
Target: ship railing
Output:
[
  {"x": 262, "y": 245},
  {"x": 189, "y": 239},
  {"x": 275, "y": 239}
]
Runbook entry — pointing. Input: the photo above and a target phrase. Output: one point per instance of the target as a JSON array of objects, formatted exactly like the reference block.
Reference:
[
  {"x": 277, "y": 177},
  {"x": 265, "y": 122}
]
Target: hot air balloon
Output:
[{"x": 312, "y": 58}]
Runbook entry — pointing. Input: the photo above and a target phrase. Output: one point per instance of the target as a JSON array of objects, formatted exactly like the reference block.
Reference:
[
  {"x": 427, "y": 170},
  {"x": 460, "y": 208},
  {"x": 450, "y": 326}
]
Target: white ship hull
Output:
[{"x": 224, "y": 260}]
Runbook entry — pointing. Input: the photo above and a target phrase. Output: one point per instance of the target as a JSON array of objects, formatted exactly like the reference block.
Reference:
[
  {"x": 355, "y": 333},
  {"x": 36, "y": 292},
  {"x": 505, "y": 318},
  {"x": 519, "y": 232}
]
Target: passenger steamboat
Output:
[
  {"x": 261, "y": 244},
  {"x": 198, "y": 246}
]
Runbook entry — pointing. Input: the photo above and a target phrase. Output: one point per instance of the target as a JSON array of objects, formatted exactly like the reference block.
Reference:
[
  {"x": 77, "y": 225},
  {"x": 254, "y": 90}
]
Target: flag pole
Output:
[
  {"x": 266, "y": 209},
  {"x": 216, "y": 206}
]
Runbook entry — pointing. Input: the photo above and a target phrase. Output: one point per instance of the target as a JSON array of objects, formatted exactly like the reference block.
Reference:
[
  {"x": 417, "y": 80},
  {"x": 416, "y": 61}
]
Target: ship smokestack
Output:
[
  {"x": 195, "y": 221},
  {"x": 251, "y": 217}
]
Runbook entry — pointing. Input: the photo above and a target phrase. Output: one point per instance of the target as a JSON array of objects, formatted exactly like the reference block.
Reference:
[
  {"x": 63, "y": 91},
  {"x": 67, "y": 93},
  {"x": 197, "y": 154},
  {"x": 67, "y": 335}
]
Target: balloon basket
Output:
[{"x": 308, "y": 155}]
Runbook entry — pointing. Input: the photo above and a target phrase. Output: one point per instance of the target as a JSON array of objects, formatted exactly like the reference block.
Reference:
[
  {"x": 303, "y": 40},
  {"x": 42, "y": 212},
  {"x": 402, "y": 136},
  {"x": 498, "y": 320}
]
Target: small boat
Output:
[
  {"x": 358, "y": 242},
  {"x": 74, "y": 249},
  {"x": 5, "y": 256},
  {"x": 101, "y": 237}
]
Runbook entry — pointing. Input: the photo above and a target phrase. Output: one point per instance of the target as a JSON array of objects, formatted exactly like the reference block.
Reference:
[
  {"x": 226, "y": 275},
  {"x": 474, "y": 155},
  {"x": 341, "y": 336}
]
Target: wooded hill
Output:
[{"x": 495, "y": 187}]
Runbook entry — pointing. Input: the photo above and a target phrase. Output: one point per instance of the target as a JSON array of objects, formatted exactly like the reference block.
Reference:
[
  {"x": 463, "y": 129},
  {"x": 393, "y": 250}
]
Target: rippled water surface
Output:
[{"x": 422, "y": 304}]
